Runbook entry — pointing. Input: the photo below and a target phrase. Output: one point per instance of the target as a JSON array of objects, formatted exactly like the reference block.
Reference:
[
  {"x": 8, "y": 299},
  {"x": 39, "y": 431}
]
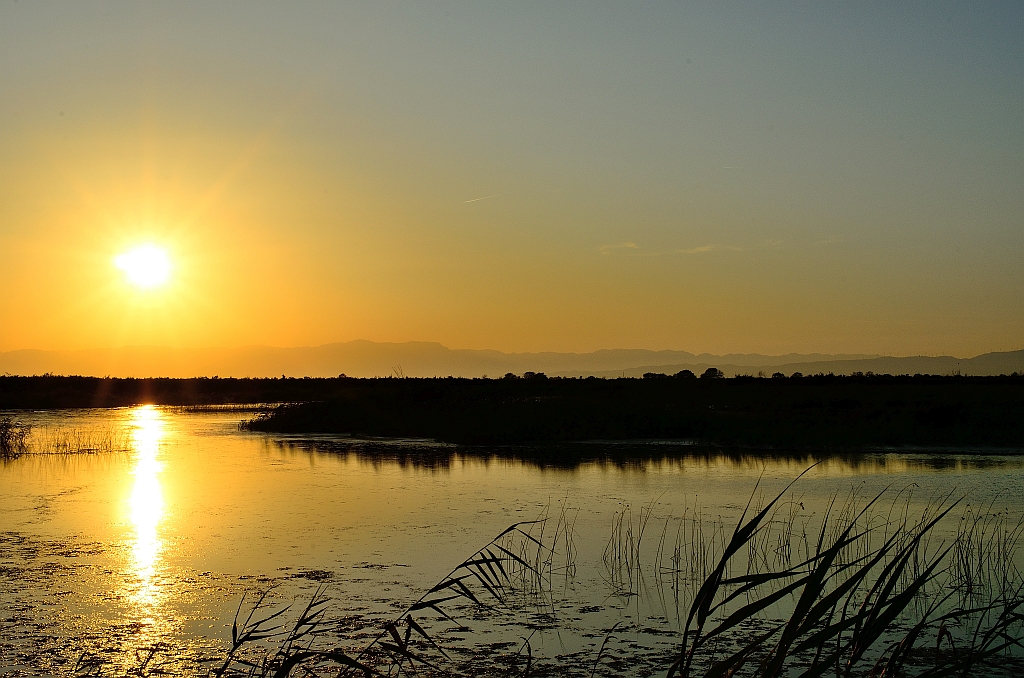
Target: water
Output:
[{"x": 114, "y": 556}]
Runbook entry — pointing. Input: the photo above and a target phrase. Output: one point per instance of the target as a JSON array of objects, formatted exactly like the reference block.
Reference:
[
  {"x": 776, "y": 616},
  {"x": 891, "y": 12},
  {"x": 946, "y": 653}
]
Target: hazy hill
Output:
[
  {"x": 987, "y": 364},
  {"x": 427, "y": 359}
]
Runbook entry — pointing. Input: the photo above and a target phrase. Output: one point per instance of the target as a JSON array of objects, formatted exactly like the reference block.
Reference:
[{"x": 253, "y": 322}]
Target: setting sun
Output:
[{"x": 145, "y": 266}]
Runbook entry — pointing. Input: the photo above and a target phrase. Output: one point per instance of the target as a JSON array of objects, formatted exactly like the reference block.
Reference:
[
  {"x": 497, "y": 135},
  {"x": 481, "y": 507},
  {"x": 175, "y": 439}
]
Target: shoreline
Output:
[{"x": 862, "y": 414}]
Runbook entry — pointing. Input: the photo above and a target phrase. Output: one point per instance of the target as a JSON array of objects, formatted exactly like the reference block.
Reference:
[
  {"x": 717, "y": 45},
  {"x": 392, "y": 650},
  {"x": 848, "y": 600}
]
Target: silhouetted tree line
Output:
[
  {"x": 812, "y": 411},
  {"x": 797, "y": 411}
]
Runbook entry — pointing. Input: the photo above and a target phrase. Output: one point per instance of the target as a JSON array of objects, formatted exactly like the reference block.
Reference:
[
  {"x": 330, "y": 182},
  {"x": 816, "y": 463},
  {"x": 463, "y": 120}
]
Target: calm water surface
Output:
[{"x": 111, "y": 553}]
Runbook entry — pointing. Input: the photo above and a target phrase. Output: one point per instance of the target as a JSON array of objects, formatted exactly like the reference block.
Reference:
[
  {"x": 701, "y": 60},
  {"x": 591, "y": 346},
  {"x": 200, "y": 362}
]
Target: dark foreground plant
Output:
[
  {"x": 852, "y": 615},
  {"x": 869, "y": 594},
  {"x": 513, "y": 562},
  {"x": 295, "y": 642}
]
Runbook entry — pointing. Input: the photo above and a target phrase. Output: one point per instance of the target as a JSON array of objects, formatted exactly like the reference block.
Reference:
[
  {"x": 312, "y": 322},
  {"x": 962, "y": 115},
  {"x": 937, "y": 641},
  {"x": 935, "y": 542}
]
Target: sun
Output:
[{"x": 145, "y": 266}]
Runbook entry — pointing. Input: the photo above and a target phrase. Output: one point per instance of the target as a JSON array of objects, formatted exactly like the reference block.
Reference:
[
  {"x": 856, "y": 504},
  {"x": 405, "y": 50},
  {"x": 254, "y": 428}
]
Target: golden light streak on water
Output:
[{"x": 146, "y": 503}]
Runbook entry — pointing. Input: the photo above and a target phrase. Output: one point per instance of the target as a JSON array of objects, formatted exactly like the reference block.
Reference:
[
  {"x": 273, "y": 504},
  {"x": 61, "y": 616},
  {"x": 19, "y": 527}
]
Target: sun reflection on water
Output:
[{"x": 146, "y": 503}]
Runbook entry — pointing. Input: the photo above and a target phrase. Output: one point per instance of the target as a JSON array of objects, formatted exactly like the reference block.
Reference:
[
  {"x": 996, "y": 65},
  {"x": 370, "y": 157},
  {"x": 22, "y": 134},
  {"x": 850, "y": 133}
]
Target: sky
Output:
[{"x": 719, "y": 177}]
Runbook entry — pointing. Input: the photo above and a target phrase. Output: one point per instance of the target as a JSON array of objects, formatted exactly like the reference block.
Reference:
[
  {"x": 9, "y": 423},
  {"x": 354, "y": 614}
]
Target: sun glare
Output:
[{"x": 145, "y": 266}]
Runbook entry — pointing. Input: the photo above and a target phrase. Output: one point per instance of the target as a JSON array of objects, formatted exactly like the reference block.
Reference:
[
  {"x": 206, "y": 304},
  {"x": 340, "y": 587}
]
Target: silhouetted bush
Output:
[
  {"x": 712, "y": 373},
  {"x": 685, "y": 374},
  {"x": 13, "y": 437}
]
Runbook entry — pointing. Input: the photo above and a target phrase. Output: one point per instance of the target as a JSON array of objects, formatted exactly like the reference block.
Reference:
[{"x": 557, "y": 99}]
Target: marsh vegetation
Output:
[
  {"x": 808, "y": 412},
  {"x": 18, "y": 438},
  {"x": 13, "y": 437},
  {"x": 868, "y": 588},
  {"x": 815, "y": 411},
  {"x": 135, "y": 563}
]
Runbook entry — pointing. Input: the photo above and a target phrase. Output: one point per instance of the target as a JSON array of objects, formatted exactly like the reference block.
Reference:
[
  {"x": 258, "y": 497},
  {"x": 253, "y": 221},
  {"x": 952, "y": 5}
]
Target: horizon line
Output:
[{"x": 841, "y": 355}]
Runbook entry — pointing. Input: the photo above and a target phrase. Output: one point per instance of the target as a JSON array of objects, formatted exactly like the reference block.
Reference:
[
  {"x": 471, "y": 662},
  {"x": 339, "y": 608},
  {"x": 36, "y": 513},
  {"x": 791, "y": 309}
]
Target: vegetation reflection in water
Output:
[{"x": 146, "y": 506}]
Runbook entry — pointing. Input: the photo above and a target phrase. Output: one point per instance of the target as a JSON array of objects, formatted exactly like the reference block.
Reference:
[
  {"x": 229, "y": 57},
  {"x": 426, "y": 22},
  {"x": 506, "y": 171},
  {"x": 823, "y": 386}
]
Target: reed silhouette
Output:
[{"x": 868, "y": 591}]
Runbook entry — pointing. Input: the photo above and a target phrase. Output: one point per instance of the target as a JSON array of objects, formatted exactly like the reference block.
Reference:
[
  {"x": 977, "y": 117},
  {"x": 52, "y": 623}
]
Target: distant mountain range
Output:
[{"x": 428, "y": 359}]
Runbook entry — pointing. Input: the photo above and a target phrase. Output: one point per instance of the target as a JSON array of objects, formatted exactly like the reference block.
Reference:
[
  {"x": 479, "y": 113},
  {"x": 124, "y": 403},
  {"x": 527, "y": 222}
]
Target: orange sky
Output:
[{"x": 514, "y": 177}]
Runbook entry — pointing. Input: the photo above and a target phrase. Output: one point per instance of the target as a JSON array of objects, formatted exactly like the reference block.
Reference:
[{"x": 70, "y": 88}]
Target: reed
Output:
[
  {"x": 514, "y": 564},
  {"x": 852, "y": 590},
  {"x": 551, "y": 556},
  {"x": 852, "y": 602},
  {"x": 508, "y": 569},
  {"x": 295, "y": 641},
  {"x": 73, "y": 440},
  {"x": 983, "y": 556},
  {"x": 17, "y": 438},
  {"x": 621, "y": 557},
  {"x": 865, "y": 588},
  {"x": 13, "y": 437},
  {"x": 227, "y": 407}
]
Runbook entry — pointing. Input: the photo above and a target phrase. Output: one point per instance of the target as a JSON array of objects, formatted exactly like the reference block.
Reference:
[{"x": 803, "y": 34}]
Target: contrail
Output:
[{"x": 483, "y": 198}]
